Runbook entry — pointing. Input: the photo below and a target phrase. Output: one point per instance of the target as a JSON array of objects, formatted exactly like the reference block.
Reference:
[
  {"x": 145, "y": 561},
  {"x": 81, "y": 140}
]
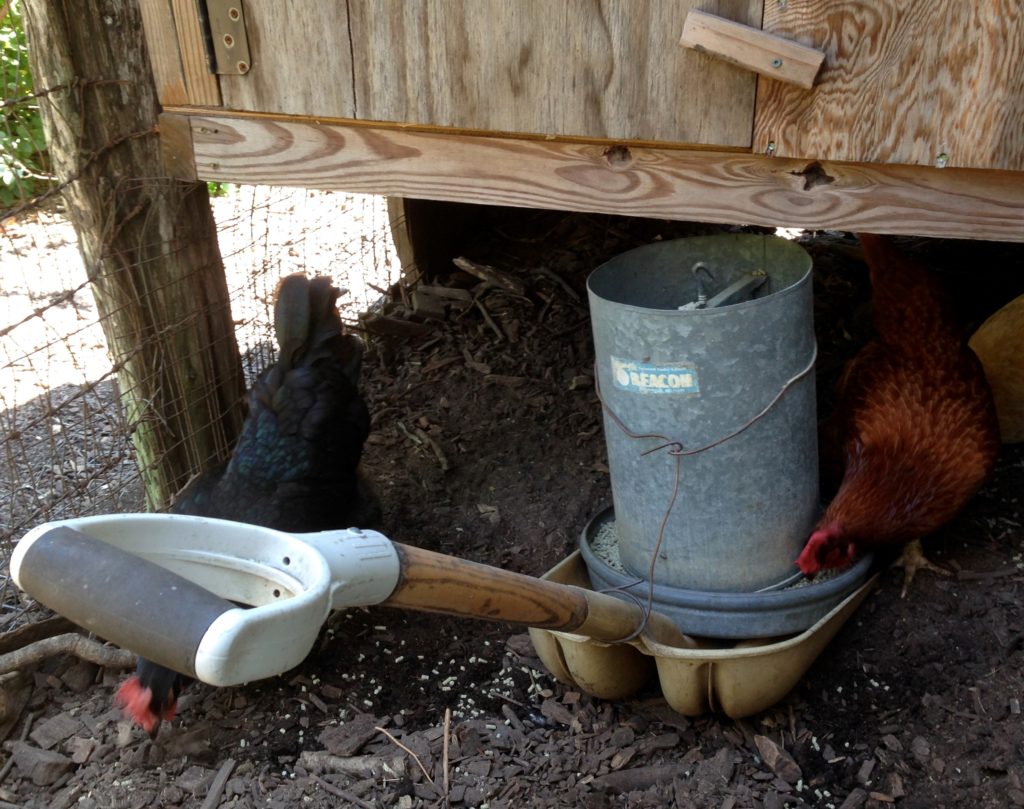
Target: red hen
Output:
[{"x": 919, "y": 427}]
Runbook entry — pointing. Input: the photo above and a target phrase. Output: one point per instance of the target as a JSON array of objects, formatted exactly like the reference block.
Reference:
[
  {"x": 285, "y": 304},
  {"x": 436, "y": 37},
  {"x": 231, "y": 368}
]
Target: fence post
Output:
[{"x": 149, "y": 242}]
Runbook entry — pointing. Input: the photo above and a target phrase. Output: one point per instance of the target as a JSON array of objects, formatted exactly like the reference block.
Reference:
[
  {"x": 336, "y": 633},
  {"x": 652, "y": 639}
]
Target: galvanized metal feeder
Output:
[{"x": 705, "y": 359}]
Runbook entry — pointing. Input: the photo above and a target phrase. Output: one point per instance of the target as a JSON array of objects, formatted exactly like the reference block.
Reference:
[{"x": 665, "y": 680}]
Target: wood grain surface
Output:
[
  {"x": 202, "y": 87},
  {"x": 770, "y": 55},
  {"x": 635, "y": 181},
  {"x": 597, "y": 68},
  {"x": 905, "y": 81},
  {"x": 164, "y": 56}
]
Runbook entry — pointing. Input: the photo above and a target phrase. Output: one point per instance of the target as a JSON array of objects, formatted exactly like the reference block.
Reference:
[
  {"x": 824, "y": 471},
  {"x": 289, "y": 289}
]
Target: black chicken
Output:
[{"x": 295, "y": 466}]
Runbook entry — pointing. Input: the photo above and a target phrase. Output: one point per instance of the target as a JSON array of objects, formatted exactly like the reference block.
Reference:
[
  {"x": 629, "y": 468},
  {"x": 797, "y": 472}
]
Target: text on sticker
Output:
[{"x": 644, "y": 377}]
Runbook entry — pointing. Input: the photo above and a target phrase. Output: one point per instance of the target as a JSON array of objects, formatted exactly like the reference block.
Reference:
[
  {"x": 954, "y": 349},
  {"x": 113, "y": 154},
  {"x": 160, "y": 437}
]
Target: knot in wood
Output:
[{"x": 618, "y": 157}]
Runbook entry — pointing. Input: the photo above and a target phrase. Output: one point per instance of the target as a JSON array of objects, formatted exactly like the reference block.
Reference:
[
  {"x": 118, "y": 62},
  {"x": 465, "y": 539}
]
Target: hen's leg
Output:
[{"x": 913, "y": 560}]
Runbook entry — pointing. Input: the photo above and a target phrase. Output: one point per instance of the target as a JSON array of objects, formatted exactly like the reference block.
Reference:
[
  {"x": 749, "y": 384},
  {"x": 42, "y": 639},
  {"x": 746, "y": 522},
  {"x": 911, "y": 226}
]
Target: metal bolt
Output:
[
  {"x": 229, "y": 40},
  {"x": 941, "y": 161},
  {"x": 776, "y": 62},
  {"x": 243, "y": 67},
  {"x": 234, "y": 14}
]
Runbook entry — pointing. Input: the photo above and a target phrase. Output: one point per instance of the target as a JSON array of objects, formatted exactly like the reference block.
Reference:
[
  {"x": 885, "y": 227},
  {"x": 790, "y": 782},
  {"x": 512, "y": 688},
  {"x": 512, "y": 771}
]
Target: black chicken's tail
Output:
[{"x": 308, "y": 326}]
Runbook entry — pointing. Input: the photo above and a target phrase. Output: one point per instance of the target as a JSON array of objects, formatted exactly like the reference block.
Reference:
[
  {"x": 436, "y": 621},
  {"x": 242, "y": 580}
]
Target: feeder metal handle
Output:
[{"x": 120, "y": 596}]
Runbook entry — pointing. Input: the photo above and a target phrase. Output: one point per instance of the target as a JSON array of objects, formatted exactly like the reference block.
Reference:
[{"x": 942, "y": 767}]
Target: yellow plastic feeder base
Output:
[{"x": 734, "y": 678}]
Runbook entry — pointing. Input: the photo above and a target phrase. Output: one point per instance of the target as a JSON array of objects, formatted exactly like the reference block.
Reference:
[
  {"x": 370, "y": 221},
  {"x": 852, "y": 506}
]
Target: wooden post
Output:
[{"x": 149, "y": 242}]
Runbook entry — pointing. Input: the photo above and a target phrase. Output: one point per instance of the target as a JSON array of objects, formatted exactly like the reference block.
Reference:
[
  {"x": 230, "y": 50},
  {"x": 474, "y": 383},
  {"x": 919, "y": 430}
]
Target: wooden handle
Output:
[
  {"x": 757, "y": 50},
  {"x": 433, "y": 582}
]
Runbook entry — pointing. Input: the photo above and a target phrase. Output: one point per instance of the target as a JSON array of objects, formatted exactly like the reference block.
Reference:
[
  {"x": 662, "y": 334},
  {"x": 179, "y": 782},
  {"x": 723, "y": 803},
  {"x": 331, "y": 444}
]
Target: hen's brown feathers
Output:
[{"x": 919, "y": 426}]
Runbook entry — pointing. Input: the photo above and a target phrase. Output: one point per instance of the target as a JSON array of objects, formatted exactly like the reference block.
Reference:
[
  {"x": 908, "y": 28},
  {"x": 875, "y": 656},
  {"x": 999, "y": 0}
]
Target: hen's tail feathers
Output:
[
  {"x": 308, "y": 327},
  {"x": 910, "y": 303},
  {"x": 150, "y": 696}
]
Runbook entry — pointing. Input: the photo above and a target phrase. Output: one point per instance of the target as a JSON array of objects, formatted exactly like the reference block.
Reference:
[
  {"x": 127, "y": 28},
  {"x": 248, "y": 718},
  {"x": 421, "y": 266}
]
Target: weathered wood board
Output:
[
  {"x": 635, "y": 181},
  {"x": 586, "y": 68},
  {"x": 177, "y": 55},
  {"x": 905, "y": 81}
]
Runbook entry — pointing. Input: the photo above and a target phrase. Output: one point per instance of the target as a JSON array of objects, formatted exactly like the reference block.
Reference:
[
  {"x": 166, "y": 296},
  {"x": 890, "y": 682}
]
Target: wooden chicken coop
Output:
[{"x": 899, "y": 116}]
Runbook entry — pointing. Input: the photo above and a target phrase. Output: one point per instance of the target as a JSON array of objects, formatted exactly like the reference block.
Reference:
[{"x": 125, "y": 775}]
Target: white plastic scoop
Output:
[{"x": 163, "y": 585}]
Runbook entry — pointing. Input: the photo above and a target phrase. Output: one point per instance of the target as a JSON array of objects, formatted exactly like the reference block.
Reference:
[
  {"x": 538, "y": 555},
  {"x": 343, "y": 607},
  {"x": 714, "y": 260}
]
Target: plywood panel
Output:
[
  {"x": 301, "y": 60},
  {"x": 905, "y": 81},
  {"x": 598, "y": 68},
  {"x": 635, "y": 181}
]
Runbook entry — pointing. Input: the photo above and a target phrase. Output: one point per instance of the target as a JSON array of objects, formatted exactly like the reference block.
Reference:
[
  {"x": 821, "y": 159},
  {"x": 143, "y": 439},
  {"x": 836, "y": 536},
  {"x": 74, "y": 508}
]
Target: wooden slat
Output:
[
  {"x": 672, "y": 184},
  {"x": 162, "y": 44},
  {"x": 176, "y": 151},
  {"x": 764, "y": 53},
  {"x": 595, "y": 68},
  {"x": 905, "y": 81},
  {"x": 203, "y": 90}
]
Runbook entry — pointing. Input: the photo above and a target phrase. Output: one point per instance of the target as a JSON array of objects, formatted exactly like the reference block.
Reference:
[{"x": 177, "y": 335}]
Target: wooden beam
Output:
[
  {"x": 629, "y": 180},
  {"x": 770, "y": 55}
]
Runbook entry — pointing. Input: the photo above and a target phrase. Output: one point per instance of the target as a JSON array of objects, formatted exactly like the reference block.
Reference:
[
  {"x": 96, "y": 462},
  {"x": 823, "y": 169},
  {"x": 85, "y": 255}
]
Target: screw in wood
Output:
[
  {"x": 234, "y": 14},
  {"x": 776, "y": 63},
  {"x": 229, "y": 40}
]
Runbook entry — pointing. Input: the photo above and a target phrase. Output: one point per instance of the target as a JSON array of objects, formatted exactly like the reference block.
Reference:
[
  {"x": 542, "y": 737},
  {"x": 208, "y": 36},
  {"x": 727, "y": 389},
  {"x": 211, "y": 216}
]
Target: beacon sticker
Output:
[{"x": 641, "y": 377}]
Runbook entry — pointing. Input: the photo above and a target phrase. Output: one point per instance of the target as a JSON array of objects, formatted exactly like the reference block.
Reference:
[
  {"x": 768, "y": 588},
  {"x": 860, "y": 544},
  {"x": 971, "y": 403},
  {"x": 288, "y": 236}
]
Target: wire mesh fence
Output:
[
  {"x": 65, "y": 448},
  {"x": 77, "y": 378},
  {"x": 66, "y": 423}
]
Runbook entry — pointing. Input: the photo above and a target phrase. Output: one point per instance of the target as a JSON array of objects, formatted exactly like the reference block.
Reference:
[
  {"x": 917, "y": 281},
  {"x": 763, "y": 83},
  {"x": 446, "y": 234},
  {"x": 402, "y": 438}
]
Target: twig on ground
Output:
[
  {"x": 558, "y": 280},
  {"x": 410, "y": 436},
  {"x": 444, "y": 755},
  {"x": 489, "y": 320},
  {"x": 436, "y": 447},
  {"x": 9, "y": 765},
  {"x": 220, "y": 781},
  {"x": 411, "y": 753},
  {"x": 70, "y": 643},
  {"x": 358, "y": 766},
  {"x": 491, "y": 275},
  {"x": 338, "y": 792}
]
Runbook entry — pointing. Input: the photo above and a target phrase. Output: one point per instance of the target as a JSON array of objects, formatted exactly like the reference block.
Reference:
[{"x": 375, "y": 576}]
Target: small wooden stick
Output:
[
  {"x": 489, "y": 320},
  {"x": 338, "y": 792},
  {"x": 220, "y": 781},
  {"x": 358, "y": 766},
  {"x": 71, "y": 643},
  {"x": 444, "y": 754},
  {"x": 411, "y": 753},
  {"x": 9, "y": 765},
  {"x": 35, "y": 631},
  {"x": 491, "y": 275},
  {"x": 432, "y": 443}
]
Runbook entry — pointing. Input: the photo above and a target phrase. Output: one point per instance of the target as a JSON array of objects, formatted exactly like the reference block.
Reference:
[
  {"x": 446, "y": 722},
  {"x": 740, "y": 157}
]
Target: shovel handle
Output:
[
  {"x": 122, "y": 597},
  {"x": 433, "y": 582}
]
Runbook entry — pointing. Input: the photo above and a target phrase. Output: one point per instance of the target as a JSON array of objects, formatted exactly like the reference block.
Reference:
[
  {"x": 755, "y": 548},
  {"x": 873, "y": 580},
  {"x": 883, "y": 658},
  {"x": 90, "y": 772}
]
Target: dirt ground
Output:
[{"x": 916, "y": 702}]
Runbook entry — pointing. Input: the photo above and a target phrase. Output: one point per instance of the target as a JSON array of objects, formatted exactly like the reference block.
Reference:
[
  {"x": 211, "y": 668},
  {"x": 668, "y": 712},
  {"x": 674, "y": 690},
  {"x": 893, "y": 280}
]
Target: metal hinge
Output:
[{"x": 227, "y": 47}]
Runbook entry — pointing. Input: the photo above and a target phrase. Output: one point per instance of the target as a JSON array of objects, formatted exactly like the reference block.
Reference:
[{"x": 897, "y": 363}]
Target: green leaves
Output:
[{"x": 24, "y": 163}]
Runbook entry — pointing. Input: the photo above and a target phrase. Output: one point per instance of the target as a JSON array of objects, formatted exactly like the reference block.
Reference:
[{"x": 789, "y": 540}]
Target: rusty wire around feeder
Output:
[{"x": 678, "y": 451}]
